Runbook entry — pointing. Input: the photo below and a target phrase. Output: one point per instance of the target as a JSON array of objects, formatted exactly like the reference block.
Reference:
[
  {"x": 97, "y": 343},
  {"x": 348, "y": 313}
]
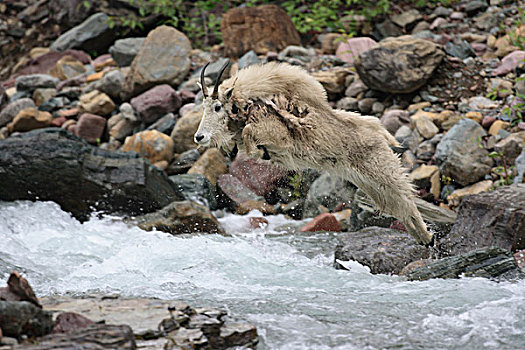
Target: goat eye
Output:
[
  {"x": 235, "y": 109},
  {"x": 217, "y": 108}
]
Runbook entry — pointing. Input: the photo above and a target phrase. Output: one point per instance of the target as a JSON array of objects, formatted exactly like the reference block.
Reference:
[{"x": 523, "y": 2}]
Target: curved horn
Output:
[
  {"x": 203, "y": 85},
  {"x": 215, "y": 92}
]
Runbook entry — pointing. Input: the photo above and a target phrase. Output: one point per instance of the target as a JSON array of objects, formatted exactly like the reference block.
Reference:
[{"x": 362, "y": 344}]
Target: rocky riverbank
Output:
[{"x": 112, "y": 132}]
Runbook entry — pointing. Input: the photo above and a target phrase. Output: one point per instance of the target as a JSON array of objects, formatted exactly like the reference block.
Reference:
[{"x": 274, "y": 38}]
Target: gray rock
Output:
[
  {"x": 32, "y": 82},
  {"x": 473, "y": 7},
  {"x": 383, "y": 250},
  {"x": 111, "y": 84},
  {"x": 460, "y": 49},
  {"x": 407, "y": 18},
  {"x": 393, "y": 119},
  {"x": 11, "y": 110},
  {"x": 328, "y": 191},
  {"x": 124, "y": 51},
  {"x": 427, "y": 149},
  {"x": 52, "y": 164},
  {"x": 348, "y": 104},
  {"x": 387, "y": 28},
  {"x": 179, "y": 218},
  {"x": 441, "y": 11},
  {"x": 459, "y": 154},
  {"x": 365, "y": 105},
  {"x": 92, "y": 34},
  {"x": 248, "y": 59},
  {"x": 296, "y": 51},
  {"x": 184, "y": 162},
  {"x": 487, "y": 262},
  {"x": 416, "y": 60},
  {"x": 355, "y": 88},
  {"x": 213, "y": 69},
  {"x": 19, "y": 318},
  {"x": 195, "y": 187},
  {"x": 488, "y": 219},
  {"x": 165, "y": 124},
  {"x": 520, "y": 167}
]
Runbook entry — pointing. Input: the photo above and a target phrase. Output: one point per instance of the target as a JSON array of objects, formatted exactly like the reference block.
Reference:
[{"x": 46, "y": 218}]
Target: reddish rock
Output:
[
  {"x": 262, "y": 29},
  {"x": 156, "y": 102},
  {"x": 68, "y": 113},
  {"x": 519, "y": 256},
  {"x": 233, "y": 192},
  {"x": 322, "y": 222},
  {"x": 259, "y": 176},
  {"x": 187, "y": 96},
  {"x": 70, "y": 321},
  {"x": 350, "y": 49},
  {"x": 509, "y": 63},
  {"x": 488, "y": 121},
  {"x": 58, "y": 121},
  {"x": 398, "y": 225},
  {"x": 90, "y": 127},
  {"x": 258, "y": 222},
  {"x": 18, "y": 285}
]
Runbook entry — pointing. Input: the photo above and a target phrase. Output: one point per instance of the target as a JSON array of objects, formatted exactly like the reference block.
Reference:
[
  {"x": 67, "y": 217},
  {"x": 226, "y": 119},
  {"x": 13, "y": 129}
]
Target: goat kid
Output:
[{"x": 280, "y": 113}]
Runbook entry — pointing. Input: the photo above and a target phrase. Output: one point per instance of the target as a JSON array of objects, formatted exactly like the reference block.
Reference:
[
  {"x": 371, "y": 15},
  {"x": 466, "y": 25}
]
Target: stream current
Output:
[{"x": 283, "y": 283}]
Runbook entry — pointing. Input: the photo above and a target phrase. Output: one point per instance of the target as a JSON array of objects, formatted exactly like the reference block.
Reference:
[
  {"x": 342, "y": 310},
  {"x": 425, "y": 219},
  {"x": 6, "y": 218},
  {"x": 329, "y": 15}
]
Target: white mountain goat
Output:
[{"x": 280, "y": 113}]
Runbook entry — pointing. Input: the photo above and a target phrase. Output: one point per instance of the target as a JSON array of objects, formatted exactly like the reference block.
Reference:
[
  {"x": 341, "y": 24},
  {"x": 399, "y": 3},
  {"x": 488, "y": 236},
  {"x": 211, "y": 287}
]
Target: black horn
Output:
[
  {"x": 203, "y": 85},
  {"x": 215, "y": 92}
]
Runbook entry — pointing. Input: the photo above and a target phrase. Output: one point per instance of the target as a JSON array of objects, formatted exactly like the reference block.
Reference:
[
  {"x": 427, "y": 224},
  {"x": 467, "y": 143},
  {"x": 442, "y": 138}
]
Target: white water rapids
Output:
[{"x": 284, "y": 284}]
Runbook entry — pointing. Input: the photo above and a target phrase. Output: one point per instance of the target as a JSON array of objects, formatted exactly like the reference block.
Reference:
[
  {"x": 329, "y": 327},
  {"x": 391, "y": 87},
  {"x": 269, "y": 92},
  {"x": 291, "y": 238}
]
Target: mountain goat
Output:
[{"x": 280, "y": 113}]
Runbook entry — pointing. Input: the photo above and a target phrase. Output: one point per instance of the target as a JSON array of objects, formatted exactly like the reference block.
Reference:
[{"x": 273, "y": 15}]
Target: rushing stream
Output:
[{"x": 285, "y": 284}]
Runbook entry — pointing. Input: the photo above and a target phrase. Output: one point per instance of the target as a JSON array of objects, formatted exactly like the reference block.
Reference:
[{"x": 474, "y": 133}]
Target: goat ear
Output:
[{"x": 228, "y": 93}]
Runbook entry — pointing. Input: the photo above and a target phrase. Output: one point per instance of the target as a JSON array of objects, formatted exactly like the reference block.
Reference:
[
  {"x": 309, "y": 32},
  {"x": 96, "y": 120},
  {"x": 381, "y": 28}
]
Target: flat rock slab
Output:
[
  {"x": 489, "y": 262},
  {"x": 488, "y": 219},
  {"x": 52, "y": 164},
  {"x": 383, "y": 250}
]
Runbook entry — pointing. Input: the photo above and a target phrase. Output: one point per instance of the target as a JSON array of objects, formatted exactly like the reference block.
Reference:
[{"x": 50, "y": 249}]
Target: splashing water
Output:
[{"x": 285, "y": 284}]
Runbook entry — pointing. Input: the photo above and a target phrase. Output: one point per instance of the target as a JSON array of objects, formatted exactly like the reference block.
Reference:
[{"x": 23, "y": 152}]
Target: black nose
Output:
[{"x": 199, "y": 137}]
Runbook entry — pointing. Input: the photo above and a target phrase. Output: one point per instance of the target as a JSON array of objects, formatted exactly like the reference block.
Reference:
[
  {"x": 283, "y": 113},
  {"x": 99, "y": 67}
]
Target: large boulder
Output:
[
  {"x": 460, "y": 156},
  {"x": 488, "y": 219},
  {"x": 52, "y": 164},
  {"x": 383, "y": 250},
  {"x": 327, "y": 191},
  {"x": 399, "y": 65},
  {"x": 262, "y": 29},
  {"x": 19, "y": 318},
  {"x": 164, "y": 58},
  {"x": 195, "y": 187},
  {"x": 259, "y": 176},
  {"x": 181, "y": 217},
  {"x": 93, "y": 34}
]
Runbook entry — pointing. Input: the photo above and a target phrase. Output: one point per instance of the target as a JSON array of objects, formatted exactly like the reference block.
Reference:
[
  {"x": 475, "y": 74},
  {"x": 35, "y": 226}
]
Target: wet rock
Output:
[
  {"x": 509, "y": 62},
  {"x": 96, "y": 102},
  {"x": 248, "y": 59},
  {"x": 232, "y": 192},
  {"x": 238, "y": 334},
  {"x": 150, "y": 144},
  {"x": 32, "y": 82},
  {"x": 156, "y": 102},
  {"x": 195, "y": 187},
  {"x": 322, "y": 222},
  {"x": 416, "y": 61},
  {"x": 19, "y": 318},
  {"x": 181, "y": 217},
  {"x": 18, "y": 289},
  {"x": 183, "y": 162},
  {"x": 455, "y": 198},
  {"x": 261, "y": 206},
  {"x": 124, "y": 51},
  {"x": 350, "y": 49},
  {"x": 93, "y": 34},
  {"x": 262, "y": 29},
  {"x": 383, "y": 250},
  {"x": 67, "y": 67},
  {"x": 90, "y": 127},
  {"x": 52, "y": 164},
  {"x": 185, "y": 127},
  {"x": 186, "y": 338},
  {"x": 30, "y": 119},
  {"x": 488, "y": 219},
  {"x": 327, "y": 191},
  {"x": 162, "y": 59},
  {"x": 459, "y": 154},
  {"x": 488, "y": 262},
  {"x": 259, "y": 176},
  {"x": 164, "y": 124},
  {"x": 393, "y": 119},
  {"x": 95, "y": 336},
  {"x": 211, "y": 164},
  {"x": 68, "y": 322}
]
